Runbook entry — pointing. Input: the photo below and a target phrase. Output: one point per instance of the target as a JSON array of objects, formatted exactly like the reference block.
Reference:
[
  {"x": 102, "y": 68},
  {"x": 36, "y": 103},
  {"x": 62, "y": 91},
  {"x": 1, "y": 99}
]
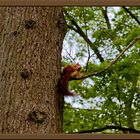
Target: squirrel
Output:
[{"x": 69, "y": 72}]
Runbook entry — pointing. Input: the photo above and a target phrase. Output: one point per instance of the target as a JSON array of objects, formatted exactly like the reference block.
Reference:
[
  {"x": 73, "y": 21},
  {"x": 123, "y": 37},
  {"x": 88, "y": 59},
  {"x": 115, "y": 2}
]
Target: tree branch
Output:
[
  {"x": 113, "y": 62},
  {"x": 110, "y": 127},
  {"x": 132, "y": 15},
  {"x": 112, "y": 37},
  {"x": 104, "y": 12},
  {"x": 88, "y": 49},
  {"x": 82, "y": 34}
]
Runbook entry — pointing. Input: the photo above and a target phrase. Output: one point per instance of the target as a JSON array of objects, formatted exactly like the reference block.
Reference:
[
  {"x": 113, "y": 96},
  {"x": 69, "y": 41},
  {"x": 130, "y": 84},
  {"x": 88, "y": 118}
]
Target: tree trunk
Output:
[{"x": 30, "y": 54}]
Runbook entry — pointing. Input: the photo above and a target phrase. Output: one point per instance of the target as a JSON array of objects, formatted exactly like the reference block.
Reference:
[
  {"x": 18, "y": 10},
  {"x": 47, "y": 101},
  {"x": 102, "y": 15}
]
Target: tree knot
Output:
[{"x": 37, "y": 116}]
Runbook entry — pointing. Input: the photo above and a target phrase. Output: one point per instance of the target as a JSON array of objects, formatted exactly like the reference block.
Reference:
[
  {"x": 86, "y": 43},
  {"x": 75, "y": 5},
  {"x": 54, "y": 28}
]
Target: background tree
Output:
[
  {"x": 108, "y": 100},
  {"x": 30, "y": 55}
]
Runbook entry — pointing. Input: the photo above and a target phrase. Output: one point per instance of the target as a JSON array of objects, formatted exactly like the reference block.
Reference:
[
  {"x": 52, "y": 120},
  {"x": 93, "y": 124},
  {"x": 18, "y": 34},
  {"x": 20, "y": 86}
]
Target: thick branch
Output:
[
  {"x": 104, "y": 12},
  {"x": 81, "y": 33},
  {"x": 110, "y": 127},
  {"x": 132, "y": 15},
  {"x": 113, "y": 62}
]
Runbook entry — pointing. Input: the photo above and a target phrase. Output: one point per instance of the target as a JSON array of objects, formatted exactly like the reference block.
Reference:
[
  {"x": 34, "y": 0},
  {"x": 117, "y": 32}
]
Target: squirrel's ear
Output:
[{"x": 77, "y": 66}]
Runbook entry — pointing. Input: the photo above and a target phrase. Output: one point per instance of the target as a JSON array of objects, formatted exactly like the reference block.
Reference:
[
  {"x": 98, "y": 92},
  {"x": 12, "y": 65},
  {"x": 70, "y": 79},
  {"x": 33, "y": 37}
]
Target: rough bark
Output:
[{"x": 30, "y": 54}]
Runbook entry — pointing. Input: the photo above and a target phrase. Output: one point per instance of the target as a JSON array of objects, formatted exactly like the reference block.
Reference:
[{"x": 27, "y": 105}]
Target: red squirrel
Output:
[{"x": 69, "y": 72}]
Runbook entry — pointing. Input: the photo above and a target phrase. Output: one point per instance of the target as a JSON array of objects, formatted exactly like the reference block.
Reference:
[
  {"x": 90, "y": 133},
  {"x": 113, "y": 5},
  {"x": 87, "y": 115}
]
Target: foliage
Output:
[{"x": 96, "y": 35}]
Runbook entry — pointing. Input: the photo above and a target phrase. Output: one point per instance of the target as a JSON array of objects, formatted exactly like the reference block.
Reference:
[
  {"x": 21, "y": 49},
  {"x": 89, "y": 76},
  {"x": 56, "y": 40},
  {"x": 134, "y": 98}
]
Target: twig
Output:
[
  {"x": 132, "y": 15},
  {"x": 88, "y": 50},
  {"x": 72, "y": 59}
]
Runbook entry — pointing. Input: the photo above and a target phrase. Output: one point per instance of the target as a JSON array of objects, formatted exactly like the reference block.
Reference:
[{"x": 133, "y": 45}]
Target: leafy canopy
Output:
[{"x": 108, "y": 102}]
